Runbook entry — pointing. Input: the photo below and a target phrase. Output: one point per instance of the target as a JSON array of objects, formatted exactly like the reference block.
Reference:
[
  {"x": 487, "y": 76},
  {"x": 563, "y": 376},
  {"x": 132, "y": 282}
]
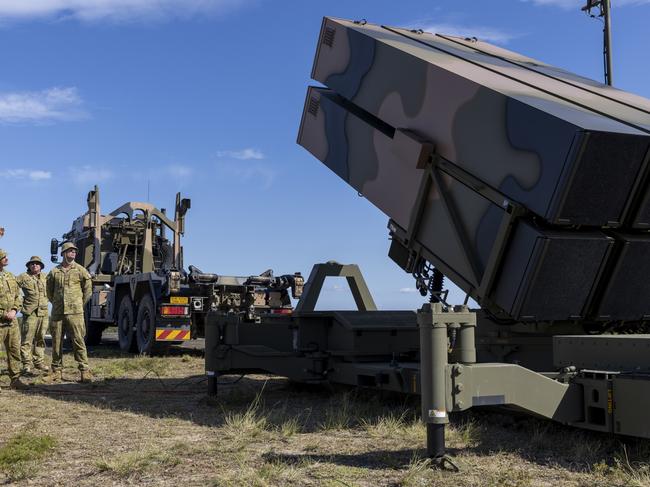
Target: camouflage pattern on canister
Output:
[
  {"x": 472, "y": 113},
  {"x": 506, "y": 136}
]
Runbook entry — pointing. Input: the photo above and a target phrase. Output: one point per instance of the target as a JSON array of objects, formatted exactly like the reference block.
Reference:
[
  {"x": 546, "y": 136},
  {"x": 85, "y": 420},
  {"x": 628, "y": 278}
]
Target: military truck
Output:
[
  {"x": 135, "y": 258},
  {"x": 524, "y": 184}
]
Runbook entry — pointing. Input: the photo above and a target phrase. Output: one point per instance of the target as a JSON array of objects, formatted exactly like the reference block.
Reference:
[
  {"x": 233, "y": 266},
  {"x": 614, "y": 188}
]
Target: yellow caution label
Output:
[
  {"x": 179, "y": 300},
  {"x": 169, "y": 334}
]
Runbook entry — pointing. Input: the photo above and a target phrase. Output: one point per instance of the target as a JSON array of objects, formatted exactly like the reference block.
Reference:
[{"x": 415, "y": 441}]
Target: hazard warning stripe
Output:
[{"x": 163, "y": 334}]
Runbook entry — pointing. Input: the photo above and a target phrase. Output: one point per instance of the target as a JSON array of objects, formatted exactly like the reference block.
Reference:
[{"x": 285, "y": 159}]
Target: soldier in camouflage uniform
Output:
[
  {"x": 10, "y": 303},
  {"x": 69, "y": 288},
  {"x": 35, "y": 316}
]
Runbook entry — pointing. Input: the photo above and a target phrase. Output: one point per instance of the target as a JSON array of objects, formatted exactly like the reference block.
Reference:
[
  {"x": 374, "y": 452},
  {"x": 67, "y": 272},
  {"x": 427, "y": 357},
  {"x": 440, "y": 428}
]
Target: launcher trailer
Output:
[{"x": 525, "y": 185}]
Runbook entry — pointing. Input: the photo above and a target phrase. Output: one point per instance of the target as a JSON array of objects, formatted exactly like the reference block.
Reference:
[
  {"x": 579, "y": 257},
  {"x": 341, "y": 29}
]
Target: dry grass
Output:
[
  {"x": 148, "y": 421},
  {"x": 21, "y": 453},
  {"x": 138, "y": 462},
  {"x": 117, "y": 368}
]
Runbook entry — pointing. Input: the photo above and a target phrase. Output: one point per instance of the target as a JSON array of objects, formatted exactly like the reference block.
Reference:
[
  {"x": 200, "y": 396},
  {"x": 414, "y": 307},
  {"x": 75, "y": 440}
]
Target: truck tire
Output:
[
  {"x": 94, "y": 329},
  {"x": 145, "y": 329},
  {"x": 94, "y": 332},
  {"x": 125, "y": 324}
]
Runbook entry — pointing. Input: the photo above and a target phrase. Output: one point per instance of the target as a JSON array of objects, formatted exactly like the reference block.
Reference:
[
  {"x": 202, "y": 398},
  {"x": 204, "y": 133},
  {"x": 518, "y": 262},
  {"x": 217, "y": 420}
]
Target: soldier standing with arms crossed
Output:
[
  {"x": 35, "y": 317},
  {"x": 69, "y": 288},
  {"x": 10, "y": 303}
]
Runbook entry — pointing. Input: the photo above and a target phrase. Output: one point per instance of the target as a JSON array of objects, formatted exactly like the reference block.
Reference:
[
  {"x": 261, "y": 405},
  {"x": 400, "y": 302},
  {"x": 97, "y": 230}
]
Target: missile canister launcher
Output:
[{"x": 524, "y": 184}]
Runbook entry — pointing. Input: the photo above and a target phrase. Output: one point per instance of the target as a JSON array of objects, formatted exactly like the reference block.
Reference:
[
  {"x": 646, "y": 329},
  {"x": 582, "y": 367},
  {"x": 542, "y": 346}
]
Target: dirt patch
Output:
[{"x": 148, "y": 421}]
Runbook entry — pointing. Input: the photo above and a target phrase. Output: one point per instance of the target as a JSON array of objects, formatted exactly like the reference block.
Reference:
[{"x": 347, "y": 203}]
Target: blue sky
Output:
[{"x": 205, "y": 96}]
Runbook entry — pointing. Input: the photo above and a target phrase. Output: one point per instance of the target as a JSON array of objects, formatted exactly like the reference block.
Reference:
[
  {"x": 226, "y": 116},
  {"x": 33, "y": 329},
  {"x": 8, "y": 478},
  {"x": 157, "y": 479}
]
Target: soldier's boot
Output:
[
  {"x": 54, "y": 376},
  {"x": 18, "y": 385},
  {"x": 42, "y": 367},
  {"x": 86, "y": 376},
  {"x": 28, "y": 372}
]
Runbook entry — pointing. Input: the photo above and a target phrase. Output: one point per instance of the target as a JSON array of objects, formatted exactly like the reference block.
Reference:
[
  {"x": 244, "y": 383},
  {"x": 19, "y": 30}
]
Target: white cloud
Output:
[
  {"x": 577, "y": 4},
  {"x": 89, "y": 175},
  {"x": 243, "y": 154},
  {"x": 482, "y": 33},
  {"x": 52, "y": 104},
  {"x": 112, "y": 10},
  {"x": 257, "y": 175},
  {"x": 39, "y": 175},
  {"x": 33, "y": 175},
  {"x": 179, "y": 171},
  {"x": 261, "y": 175},
  {"x": 408, "y": 290}
]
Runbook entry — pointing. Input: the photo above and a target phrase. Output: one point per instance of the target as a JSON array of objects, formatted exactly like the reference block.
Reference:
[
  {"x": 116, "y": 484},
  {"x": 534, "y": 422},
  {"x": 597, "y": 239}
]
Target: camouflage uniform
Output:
[
  {"x": 35, "y": 320},
  {"x": 9, "y": 330},
  {"x": 68, "y": 289}
]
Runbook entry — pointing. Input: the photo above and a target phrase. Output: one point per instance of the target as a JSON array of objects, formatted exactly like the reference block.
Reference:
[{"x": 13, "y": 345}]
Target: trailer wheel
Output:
[
  {"x": 125, "y": 324},
  {"x": 145, "y": 329}
]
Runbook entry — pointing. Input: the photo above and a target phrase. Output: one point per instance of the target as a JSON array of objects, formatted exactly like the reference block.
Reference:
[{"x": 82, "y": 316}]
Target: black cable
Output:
[{"x": 229, "y": 383}]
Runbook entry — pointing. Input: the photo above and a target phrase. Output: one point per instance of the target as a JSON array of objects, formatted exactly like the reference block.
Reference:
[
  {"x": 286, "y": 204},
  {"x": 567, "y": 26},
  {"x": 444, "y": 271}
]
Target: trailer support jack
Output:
[{"x": 441, "y": 330}]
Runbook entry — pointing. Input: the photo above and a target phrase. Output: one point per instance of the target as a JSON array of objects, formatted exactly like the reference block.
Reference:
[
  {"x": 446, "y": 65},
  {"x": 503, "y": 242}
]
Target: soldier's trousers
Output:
[
  {"x": 75, "y": 326},
  {"x": 10, "y": 336},
  {"x": 32, "y": 338}
]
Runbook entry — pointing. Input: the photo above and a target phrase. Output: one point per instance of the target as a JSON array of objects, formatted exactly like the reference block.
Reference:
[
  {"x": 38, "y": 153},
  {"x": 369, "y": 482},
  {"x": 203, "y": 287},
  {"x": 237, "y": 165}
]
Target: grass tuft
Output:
[
  {"x": 402, "y": 426},
  {"x": 279, "y": 473},
  {"x": 121, "y": 367},
  {"x": 137, "y": 462},
  {"x": 464, "y": 434},
  {"x": 338, "y": 414},
  {"x": 290, "y": 427},
  {"x": 510, "y": 477},
  {"x": 269, "y": 473},
  {"x": 630, "y": 473},
  {"x": 418, "y": 473},
  {"x": 20, "y": 454},
  {"x": 248, "y": 425}
]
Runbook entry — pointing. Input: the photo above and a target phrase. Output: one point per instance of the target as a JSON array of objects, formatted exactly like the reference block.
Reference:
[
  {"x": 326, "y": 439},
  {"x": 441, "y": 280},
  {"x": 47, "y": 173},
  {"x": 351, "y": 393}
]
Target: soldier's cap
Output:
[
  {"x": 3, "y": 254},
  {"x": 35, "y": 259},
  {"x": 67, "y": 246}
]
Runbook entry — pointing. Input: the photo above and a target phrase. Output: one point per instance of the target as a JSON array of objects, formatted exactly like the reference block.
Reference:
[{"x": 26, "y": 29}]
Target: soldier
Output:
[
  {"x": 69, "y": 288},
  {"x": 35, "y": 316},
  {"x": 10, "y": 303}
]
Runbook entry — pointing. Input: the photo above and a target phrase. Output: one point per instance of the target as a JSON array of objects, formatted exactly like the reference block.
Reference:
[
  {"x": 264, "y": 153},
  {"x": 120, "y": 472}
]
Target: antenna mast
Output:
[{"x": 604, "y": 10}]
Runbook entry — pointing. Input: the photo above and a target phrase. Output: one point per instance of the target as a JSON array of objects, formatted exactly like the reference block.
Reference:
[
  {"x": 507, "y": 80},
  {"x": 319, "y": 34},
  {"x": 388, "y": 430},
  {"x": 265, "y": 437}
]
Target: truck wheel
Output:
[
  {"x": 125, "y": 324},
  {"x": 94, "y": 329},
  {"x": 94, "y": 332},
  {"x": 146, "y": 327}
]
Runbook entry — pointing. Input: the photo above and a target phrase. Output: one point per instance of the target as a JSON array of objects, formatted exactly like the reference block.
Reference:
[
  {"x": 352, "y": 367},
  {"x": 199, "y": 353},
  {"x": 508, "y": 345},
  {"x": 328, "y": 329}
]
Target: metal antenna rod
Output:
[{"x": 605, "y": 12}]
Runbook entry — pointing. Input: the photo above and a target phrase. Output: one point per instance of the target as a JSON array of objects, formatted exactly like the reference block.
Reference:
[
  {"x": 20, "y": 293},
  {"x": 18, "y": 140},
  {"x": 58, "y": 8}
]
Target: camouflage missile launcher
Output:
[
  {"x": 523, "y": 183},
  {"x": 526, "y": 185}
]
